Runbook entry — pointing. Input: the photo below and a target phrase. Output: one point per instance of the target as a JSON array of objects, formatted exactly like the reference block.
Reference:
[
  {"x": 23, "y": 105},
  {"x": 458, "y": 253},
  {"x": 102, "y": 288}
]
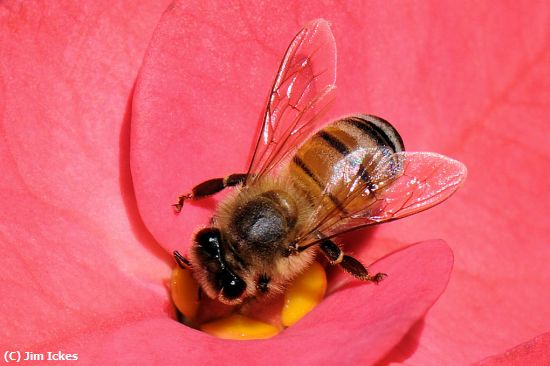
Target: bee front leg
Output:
[
  {"x": 208, "y": 188},
  {"x": 335, "y": 255}
]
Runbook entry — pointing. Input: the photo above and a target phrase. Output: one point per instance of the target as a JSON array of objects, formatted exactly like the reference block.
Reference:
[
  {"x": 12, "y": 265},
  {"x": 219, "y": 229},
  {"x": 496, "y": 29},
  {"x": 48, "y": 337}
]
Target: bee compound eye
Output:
[
  {"x": 209, "y": 241},
  {"x": 232, "y": 286}
]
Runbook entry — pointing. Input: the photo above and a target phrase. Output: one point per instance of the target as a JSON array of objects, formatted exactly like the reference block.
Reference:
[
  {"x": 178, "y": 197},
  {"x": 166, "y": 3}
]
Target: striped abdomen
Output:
[{"x": 327, "y": 165}]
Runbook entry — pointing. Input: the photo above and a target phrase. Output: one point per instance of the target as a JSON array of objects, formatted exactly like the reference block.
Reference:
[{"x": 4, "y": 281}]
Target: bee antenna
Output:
[{"x": 182, "y": 261}]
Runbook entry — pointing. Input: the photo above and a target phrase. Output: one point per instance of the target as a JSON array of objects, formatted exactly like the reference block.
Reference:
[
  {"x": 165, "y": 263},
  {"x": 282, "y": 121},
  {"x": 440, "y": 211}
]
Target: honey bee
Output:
[{"x": 305, "y": 188}]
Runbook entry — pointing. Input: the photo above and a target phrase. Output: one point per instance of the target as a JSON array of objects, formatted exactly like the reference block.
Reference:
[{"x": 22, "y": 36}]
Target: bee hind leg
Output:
[
  {"x": 335, "y": 255},
  {"x": 208, "y": 188},
  {"x": 355, "y": 268}
]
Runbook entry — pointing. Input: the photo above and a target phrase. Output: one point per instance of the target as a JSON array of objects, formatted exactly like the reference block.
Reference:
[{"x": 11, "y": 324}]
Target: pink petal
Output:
[
  {"x": 356, "y": 325},
  {"x": 75, "y": 256},
  {"x": 196, "y": 107},
  {"x": 467, "y": 80},
  {"x": 490, "y": 102},
  {"x": 533, "y": 352}
]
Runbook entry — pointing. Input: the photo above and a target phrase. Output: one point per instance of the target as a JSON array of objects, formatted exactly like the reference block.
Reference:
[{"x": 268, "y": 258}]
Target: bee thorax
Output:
[{"x": 263, "y": 223}]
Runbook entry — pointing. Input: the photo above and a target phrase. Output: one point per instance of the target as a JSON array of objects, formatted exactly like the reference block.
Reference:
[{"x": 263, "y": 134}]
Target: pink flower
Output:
[{"x": 82, "y": 273}]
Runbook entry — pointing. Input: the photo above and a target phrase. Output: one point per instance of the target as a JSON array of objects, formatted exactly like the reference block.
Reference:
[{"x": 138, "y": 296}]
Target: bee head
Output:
[{"x": 216, "y": 275}]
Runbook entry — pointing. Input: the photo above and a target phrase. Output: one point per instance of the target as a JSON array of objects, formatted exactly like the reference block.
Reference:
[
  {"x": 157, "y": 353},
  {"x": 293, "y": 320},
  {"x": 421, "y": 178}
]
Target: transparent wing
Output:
[
  {"x": 396, "y": 185},
  {"x": 301, "y": 92}
]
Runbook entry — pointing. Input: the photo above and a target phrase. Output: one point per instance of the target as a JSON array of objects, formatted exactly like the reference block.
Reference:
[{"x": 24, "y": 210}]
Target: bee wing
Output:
[
  {"x": 398, "y": 185},
  {"x": 302, "y": 90}
]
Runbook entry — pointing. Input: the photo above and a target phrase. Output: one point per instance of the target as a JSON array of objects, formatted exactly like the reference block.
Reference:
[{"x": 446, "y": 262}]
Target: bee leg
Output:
[
  {"x": 335, "y": 255},
  {"x": 208, "y": 188},
  {"x": 355, "y": 268},
  {"x": 182, "y": 261}
]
